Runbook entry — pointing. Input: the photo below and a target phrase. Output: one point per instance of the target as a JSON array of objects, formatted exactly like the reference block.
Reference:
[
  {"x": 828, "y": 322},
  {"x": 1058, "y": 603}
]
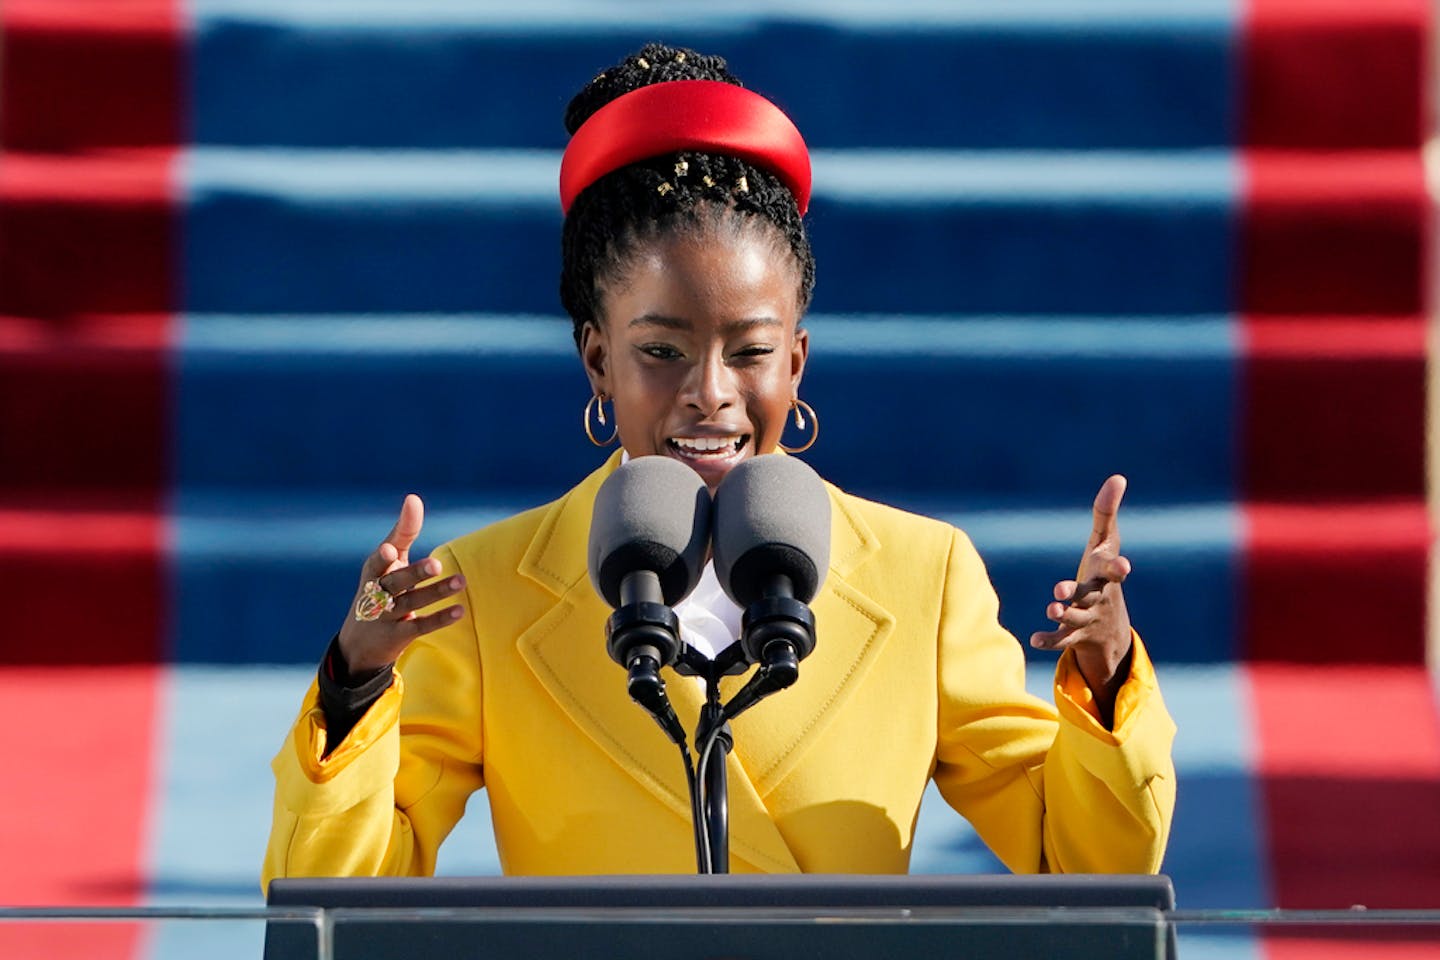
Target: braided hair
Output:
[{"x": 686, "y": 191}]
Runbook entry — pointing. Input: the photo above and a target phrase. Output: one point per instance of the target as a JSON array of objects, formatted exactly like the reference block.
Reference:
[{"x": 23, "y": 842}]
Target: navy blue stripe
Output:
[
  {"x": 1079, "y": 75},
  {"x": 1010, "y": 411},
  {"x": 955, "y": 233},
  {"x": 226, "y": 547}
]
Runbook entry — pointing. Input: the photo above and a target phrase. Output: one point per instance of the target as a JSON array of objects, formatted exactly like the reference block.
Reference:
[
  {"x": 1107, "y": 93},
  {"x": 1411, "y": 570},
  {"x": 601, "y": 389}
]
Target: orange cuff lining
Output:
[
  {"x": 1070, "y": 683},
  {"x": 310, "y": 736}
]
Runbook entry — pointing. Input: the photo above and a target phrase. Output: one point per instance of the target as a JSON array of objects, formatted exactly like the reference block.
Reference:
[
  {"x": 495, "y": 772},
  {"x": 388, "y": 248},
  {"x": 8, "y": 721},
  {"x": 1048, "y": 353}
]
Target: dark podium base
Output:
[{"x": 733, "y": 917}]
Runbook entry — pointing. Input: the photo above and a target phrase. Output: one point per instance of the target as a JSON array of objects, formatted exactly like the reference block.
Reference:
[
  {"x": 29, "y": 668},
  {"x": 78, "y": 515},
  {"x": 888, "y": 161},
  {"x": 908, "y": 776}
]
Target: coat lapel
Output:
[
  {"x": 851, "y": 630},
  {"x": 565, "y": 650}
]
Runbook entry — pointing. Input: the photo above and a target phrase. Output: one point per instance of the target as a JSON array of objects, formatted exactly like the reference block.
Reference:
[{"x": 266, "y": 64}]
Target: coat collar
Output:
[{"x": 566, "y": 651}]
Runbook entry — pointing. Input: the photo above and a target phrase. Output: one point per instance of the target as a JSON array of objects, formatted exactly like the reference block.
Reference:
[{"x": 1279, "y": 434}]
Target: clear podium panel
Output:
[
  {"x": 76, "y": 933},
  {"x": 1329, "y": 934},
  {"x": 719, "y": 933}
]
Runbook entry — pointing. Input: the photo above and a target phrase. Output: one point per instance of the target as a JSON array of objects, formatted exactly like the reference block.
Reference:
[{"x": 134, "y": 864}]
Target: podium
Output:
[{"x": 731, "y": 917}]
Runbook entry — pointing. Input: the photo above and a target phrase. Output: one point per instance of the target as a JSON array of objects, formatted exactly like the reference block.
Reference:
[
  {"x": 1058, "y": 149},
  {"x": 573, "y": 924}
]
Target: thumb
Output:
[{"x": 407, "y": 526}]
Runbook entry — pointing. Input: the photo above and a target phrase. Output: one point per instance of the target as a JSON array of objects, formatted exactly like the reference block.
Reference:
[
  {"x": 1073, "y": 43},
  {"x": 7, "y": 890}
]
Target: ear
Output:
[
  {"x": 799, "y": 353},
  {"x": 595, "y": 355}
]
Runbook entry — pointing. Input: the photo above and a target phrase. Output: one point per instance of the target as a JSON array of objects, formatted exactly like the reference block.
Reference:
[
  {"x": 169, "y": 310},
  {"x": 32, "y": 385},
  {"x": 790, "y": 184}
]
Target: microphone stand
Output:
[
  {"x": 714, "y": 732},
  {"x": 779, "y": 631},
  {"x": 710, "y": 800}
]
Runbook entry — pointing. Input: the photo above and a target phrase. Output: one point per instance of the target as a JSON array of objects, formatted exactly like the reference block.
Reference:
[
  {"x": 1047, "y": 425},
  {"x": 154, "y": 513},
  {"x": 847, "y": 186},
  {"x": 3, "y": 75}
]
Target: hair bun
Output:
[
  {"x": 682, "y": 191},
  {"x": 652, "y": 63}
]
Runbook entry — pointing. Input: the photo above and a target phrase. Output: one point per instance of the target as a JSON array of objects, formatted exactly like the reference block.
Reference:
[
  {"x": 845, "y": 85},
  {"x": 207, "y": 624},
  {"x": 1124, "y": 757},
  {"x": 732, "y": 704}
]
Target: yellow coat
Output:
[{"x": 912, "y": 677}]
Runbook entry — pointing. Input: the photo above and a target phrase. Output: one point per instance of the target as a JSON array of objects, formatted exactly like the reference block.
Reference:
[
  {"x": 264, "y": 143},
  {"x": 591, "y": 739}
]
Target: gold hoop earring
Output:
[
  {"x": 797, "y": 404},
  {"x": 597, "y": 403}
]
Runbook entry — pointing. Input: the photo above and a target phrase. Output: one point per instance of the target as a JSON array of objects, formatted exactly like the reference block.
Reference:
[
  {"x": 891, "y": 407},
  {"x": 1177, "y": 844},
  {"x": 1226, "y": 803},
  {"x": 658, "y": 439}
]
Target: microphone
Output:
[
  {"x": 648, "y": 535},
  {"x": 772, "y": 550}
]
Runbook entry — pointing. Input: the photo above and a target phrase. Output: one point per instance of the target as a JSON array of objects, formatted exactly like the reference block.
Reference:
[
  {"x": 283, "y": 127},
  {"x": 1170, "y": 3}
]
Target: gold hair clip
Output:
[
  {"x": 708, "y": 181},
  {"x": 742, "y": 184},
  {"x": 664, "y": 188},
  {"x": 682, "y": 168},
  {"x": 644, "y": 64},
  {"x": 680, "y": 57}
]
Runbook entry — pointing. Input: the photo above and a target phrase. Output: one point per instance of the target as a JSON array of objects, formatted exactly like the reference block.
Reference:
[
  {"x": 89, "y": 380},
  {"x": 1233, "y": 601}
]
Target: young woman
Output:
[{"x": 687, "y": 271}]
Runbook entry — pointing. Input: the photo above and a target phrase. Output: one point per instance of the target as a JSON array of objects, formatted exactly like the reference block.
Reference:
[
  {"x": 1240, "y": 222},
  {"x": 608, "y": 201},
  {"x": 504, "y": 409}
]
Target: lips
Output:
[{"x": 712, "y": 456}]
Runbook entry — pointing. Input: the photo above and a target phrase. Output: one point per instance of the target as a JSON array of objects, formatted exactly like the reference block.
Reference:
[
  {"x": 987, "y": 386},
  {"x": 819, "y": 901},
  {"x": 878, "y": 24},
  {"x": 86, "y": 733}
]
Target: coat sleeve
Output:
[
  {"x": 381, "y": 803},
  {"x": 1046, "y": 792}
]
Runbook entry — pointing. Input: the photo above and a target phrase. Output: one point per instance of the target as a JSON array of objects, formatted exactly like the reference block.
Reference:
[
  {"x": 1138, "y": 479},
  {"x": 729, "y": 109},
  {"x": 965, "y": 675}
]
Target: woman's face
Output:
[{"x": 699, "y": 347}]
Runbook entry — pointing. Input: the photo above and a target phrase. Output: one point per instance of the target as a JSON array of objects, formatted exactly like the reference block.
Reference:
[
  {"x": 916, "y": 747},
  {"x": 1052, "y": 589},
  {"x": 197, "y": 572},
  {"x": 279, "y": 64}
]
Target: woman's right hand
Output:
[{"x": 368, "y": 645}]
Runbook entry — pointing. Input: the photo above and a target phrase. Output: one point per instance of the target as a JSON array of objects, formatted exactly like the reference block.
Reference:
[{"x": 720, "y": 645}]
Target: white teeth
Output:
[{"x": 706, "y": 445}]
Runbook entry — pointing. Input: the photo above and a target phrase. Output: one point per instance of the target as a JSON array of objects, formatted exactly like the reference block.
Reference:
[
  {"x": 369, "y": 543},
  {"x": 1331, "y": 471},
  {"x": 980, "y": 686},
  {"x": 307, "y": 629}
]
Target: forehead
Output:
[{"x": 710, "y": 274}]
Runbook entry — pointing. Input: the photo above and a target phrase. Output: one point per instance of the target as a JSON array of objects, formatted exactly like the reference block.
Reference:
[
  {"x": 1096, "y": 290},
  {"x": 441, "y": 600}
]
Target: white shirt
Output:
[{"x": 709, "y": 620}]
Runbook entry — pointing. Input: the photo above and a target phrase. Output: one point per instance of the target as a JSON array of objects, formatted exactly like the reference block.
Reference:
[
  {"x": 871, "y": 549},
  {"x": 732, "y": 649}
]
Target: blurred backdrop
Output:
[{"x": 268, "y": 265}]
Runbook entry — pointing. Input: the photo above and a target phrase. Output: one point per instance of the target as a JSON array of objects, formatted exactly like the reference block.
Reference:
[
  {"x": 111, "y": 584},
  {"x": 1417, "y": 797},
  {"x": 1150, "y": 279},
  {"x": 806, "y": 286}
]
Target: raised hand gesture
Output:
[
  {"x": 1090, "y": 610},
  {"x": 382, "y": 620}
]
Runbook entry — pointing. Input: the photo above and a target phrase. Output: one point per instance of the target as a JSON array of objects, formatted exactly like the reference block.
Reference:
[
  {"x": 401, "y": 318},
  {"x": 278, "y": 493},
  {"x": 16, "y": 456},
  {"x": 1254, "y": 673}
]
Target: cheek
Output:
[
  {"x": 770, "y": 405},
  {"x": 642, "y": 406}
]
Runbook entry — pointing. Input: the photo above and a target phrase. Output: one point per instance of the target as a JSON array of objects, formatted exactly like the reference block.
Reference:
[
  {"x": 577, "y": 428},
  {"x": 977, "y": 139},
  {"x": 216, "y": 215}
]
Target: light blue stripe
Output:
[
  {"x": 216, "y": 525},
  {"x": 224, "y": 524},
  {"x": 205, "y": 337},
  {"x": 1022, "y": 336},
  {"x": 896, "y": 176},
  {"x": 1215, "y": 856},
  {"x": 220, "y": 729},
  {"x": 211, "y": 816},
  {"x": 211, "y": 812},
  {"x": 213, "y": 336},
  {"x": 375, "y": 176},
  {"x": 1198, "y": 943},
  {"x": 569, "y": 15},
  {"x": 530, "y": 177},
  {"x": 1188, "y": 527},
  {"x": 222, "y": 725},
  {"x": 1211, "y": 707}
]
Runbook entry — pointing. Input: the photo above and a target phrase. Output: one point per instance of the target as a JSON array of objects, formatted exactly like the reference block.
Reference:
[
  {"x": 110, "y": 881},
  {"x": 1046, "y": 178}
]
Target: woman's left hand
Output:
[{"x": 1090, "y": 610}]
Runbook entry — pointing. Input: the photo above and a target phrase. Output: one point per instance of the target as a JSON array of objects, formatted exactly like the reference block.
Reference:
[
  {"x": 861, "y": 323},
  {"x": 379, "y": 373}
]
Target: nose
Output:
[{"x": 711, "y": 385}]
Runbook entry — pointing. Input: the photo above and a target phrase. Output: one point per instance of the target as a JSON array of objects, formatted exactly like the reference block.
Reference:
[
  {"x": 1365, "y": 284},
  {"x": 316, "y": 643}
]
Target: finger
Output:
[
  {"x": 1116, "y": 569},
  {"x": 1106, "y": 511},
  {"x": 379, "y": 563},
  {"x": 1089, "y": 593},
  {"x": 1071, "y": 616},
  {"x": 414, "y": 627},
  {"x": 403, "y": 578},
  {"x": 407, "y": 526},
  {"x": 1065, "y": 589},
  {"x": 1051, "y": 640},
  {"x": 422, "y": 597}
]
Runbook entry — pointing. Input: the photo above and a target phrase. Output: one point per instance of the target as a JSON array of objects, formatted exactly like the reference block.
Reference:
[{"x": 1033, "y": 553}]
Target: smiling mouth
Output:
[{"x": 708, "y": 448}]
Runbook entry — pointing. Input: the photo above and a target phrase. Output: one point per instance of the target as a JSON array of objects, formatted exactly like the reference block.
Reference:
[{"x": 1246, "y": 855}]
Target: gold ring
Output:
[{"x": 374, "y": 600}]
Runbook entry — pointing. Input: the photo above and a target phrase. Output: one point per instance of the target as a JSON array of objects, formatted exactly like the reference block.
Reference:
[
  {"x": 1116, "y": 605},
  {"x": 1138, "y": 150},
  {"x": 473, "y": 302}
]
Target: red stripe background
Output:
[
  {"x": 1333, "y": 287},
  {"x": 91, "y": 118}
]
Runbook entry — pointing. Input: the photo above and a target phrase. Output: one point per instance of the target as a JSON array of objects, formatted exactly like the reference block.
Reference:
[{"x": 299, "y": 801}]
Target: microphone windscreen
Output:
[
  {"x": 653, "y": 513},
  {"x": 772, "y": 516}
]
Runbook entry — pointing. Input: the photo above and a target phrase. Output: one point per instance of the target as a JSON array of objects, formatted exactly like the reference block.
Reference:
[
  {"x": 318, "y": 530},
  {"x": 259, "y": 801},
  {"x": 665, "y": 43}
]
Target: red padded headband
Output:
[{"x": 702, "y": 116}]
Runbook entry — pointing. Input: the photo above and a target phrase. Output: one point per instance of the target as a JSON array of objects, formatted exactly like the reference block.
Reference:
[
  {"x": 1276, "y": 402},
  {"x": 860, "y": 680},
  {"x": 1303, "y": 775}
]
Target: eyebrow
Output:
[{"x": 678, "y": 323}]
